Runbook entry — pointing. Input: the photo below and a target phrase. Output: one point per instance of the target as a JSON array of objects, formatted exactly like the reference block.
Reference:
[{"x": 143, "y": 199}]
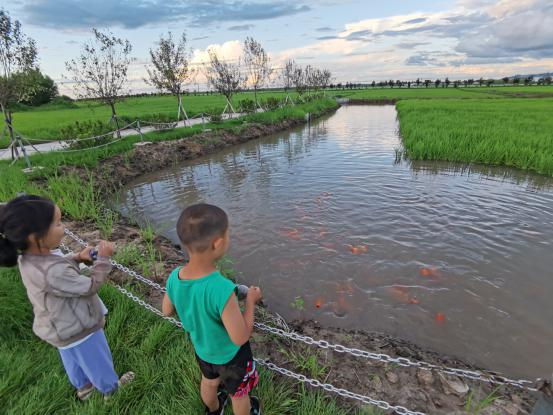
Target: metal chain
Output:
[
  {"x": 381, "y": 357},
  {"x": 339, "y": 391},
  {"x": 401, "y": 361}
]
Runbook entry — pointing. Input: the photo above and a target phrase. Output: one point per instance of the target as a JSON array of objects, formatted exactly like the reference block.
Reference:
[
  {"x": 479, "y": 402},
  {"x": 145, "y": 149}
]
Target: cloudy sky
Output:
[{"x": 358, "y": 40}]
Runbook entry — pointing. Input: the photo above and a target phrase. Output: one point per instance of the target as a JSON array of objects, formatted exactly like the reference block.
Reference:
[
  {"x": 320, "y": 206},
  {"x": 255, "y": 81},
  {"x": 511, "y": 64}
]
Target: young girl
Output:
[{"x": 68, "y": 312}]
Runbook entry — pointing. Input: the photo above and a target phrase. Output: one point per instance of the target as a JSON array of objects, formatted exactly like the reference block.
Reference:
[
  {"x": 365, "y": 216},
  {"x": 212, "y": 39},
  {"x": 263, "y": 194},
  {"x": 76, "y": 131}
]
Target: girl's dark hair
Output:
[{"x": 20, "y": 218}]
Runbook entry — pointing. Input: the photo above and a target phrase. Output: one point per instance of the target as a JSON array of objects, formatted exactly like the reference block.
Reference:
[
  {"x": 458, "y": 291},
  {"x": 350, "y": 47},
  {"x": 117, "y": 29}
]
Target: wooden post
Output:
[{"x": 18, "y": 141}]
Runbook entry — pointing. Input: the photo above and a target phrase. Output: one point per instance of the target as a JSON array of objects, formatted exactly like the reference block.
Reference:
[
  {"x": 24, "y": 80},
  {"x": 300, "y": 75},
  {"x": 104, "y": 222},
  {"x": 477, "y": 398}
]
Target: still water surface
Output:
[{"x": 457, "y": 259}]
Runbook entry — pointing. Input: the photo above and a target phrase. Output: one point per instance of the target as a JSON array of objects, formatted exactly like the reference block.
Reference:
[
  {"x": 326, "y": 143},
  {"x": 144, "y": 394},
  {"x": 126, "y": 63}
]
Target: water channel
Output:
[{"x": 335, "y": 228}]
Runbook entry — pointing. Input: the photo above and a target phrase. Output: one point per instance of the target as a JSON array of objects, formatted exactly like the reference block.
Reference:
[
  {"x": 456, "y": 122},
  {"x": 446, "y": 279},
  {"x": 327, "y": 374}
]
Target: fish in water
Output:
[
  {"x": 293, "y": 234},
  {"x": 430, "y": 272},
  {"x": 341, "y": 307},
  {"x": 344, "y": 288},
  {"x": 403, "y": 295},
  {"x": 440, "y": 318},
  {"x": 323, "y": 232},
  {"x": 359, "y": 249},
  {"x": 319, "y": 302},
  {"x": 329, "y": 245}
]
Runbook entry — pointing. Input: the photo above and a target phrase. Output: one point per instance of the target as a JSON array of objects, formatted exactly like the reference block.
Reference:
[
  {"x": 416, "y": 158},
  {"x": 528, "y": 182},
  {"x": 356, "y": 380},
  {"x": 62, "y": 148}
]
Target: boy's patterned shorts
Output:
[{"x": 239, "y": 376}]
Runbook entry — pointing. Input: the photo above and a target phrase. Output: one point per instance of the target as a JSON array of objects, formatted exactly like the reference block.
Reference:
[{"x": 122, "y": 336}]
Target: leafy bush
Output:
[
  {"x": 86, "y": 129},
  {"x": 215, "y": 115},
  {"x": 272, "y": 103},
  {"x": 246, "y": 105}
]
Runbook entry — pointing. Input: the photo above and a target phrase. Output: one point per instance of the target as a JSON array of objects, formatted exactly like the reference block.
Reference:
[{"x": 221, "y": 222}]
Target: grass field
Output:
[
  {"x": 32, "y": 380},
  {"x": 507, "y": 132},
  {"x": 45, "y": 122}
]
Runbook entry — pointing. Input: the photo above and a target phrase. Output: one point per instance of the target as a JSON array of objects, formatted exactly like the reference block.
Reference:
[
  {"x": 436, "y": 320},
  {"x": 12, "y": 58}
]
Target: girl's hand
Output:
[
  {"x": 105, "y": 249},
  {"x": 84, "y": 255}
]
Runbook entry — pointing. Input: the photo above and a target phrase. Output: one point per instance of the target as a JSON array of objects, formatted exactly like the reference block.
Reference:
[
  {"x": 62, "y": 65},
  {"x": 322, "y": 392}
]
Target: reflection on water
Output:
[{"x": 455, "y": 258}]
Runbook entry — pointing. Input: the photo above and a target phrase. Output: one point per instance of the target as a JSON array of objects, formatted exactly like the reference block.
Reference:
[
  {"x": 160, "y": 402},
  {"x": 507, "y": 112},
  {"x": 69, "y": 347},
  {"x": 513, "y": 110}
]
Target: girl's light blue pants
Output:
[{"x": 91, "y": 362}]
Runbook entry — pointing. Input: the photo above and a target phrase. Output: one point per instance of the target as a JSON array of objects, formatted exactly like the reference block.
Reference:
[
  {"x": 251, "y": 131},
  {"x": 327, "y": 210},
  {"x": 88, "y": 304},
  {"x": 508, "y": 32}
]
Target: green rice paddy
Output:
[{"x": 507, "y": 132}]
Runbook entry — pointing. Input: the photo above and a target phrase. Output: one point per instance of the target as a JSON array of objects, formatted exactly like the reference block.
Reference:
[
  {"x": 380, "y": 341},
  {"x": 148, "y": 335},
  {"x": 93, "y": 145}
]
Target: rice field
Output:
[{"x": 507, "y": 132}]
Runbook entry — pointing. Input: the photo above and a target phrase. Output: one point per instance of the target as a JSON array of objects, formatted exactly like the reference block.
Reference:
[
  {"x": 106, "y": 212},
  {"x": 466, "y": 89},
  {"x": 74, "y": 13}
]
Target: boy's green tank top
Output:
[{"x": 199, "y": 304}]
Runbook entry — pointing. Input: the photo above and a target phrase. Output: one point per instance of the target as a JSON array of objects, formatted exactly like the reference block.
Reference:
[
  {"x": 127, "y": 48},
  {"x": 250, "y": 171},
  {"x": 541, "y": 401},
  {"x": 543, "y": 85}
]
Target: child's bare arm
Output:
[
  {"x": 240, "y": 325},
  {"x": 167, "y": 306}
]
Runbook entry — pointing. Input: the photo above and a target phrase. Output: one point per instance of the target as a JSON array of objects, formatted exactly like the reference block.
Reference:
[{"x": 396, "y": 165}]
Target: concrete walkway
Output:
[{"x": 5, "y": 154}]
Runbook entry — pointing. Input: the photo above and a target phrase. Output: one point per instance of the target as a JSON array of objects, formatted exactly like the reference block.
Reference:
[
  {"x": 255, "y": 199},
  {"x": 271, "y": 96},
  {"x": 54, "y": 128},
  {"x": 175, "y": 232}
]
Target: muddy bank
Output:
[
  {"x": 415, "y": 389},
  {"x": 372, "y": 101},
  {"x": 113, "y": 173}
]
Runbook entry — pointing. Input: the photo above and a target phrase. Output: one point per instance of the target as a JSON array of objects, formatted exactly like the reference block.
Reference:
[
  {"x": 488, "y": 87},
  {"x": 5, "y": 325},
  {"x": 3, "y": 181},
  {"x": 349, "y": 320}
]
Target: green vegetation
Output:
[
  {"x": 47, "y": 121},
  {"x": 507, "y": 132},
  {"x": 33, "y": 380},
  {"x": 446, "y": 93}
]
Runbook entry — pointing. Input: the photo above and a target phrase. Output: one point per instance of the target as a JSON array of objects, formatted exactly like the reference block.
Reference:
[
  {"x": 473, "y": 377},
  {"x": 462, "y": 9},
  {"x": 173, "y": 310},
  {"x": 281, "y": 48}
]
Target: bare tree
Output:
[
  {"x": 310, "y": 76},
  {"x": 256, "y": 62},
  {"x": 170, "y": 68},
  {"x": 18, "y": 54},
  {"x": 225, "y": 77},
  {"x": 299, "y": 80},
  {"x": 325, "y": 78},
  {"x": 101, "y": 70},
  {"x": 287, "y": 78}
]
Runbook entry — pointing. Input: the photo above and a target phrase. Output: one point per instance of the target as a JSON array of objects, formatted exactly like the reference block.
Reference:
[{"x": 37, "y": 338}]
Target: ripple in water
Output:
[{"x": 456, "y": 258}]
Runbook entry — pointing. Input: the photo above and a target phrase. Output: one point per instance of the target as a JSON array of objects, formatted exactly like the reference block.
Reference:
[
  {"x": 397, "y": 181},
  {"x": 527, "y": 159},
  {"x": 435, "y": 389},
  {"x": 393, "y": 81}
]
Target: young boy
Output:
[{"x": 207, "y": 306}]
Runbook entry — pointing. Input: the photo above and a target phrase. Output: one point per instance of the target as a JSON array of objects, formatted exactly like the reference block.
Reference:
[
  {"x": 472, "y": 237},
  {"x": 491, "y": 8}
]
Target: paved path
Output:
[{"x": 5, "y": 154}]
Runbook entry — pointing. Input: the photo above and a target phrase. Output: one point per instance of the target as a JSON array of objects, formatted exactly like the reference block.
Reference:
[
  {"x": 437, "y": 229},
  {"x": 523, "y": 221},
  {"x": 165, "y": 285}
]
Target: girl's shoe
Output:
[
  {"x": 222, "y": 396},
  {"x": 256, "y": 406},
  {"x": 126, "y": 378},
  {"x": 123, "y": 380},
  {"x": 84, "y": 393}
]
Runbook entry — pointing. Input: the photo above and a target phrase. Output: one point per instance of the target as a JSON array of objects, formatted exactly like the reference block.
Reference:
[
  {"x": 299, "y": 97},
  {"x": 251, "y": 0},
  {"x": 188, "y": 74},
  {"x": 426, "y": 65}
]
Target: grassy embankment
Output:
[{"x": 32, "y": 378}]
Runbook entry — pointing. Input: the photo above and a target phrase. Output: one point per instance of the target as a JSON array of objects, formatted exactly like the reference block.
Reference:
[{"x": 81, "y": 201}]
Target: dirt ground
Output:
[{"x": 416, "y": 389}]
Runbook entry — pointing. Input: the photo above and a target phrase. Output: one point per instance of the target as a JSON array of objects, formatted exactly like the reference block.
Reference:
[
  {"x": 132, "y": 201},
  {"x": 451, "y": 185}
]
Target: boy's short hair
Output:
[{"x": 199, "y": 224}]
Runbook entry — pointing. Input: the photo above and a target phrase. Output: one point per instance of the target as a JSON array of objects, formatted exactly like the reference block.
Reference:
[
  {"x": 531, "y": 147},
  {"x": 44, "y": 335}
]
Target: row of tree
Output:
[
  {"x": 101, "y": 70},
  {"x": 526, "y": 80}
]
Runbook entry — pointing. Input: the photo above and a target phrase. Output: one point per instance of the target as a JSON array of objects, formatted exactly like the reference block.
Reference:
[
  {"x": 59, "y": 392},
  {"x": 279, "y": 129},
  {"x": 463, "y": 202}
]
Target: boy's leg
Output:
[
  {"x": 241, "y": 405},
  {"x": 94, "y": 358},
  {"x": 208, "y": 391},
  {"x": 239, "y": 377}
]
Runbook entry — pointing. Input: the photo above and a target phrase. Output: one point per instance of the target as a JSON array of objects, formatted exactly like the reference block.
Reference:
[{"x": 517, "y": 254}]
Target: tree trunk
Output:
[
  {"x": 8, "y": 122},
  {"x": 114, "y": 118},
  {"x": 255, "y": 98},
  {"x": 179, "y": 110}
]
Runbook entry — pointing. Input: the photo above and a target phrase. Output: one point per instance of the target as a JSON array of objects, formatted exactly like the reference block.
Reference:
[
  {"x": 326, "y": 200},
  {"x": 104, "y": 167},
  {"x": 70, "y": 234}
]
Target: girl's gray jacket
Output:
[{"x": 65, "y": 302}]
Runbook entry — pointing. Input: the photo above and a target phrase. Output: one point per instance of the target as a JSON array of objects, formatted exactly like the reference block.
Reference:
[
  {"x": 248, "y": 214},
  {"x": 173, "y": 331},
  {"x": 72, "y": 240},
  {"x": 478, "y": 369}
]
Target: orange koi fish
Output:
[
  {"x": 293, "y": 234},
  {"x": 319, "y": 302},
  {"x": 440, "y": 318},
  {"x": 344, "y": 288},
  {"x": 403, "y": 295},
  {"x": 430, "y": 272},
  {"x": 359, "y": 249},
  {"x": 341, "y": 307},
  {"x": 329, "y": 245}
]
